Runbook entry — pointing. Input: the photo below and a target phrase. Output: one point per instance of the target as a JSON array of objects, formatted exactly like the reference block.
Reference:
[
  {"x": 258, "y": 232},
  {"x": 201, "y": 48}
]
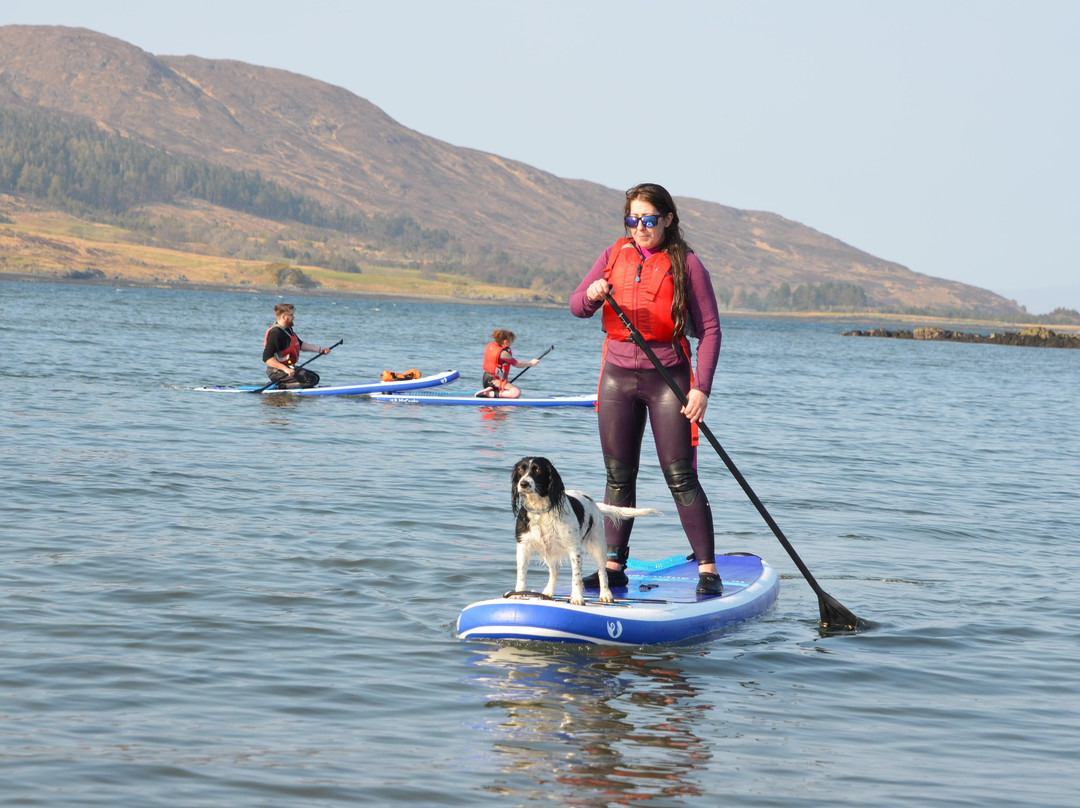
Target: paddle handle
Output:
[{"x": 541, "y": 356}]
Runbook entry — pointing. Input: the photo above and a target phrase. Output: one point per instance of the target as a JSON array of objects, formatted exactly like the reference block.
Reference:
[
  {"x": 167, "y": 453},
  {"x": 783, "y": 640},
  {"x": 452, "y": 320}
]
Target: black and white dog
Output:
[{"x": 555, "y": 523}]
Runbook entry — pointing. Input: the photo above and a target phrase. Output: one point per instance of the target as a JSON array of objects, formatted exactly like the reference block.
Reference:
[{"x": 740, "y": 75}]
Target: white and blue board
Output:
[
  {"x": 658, "y": 606},
  {"x": 471, "y": 400},
  {"x": 363, "y": 389}
]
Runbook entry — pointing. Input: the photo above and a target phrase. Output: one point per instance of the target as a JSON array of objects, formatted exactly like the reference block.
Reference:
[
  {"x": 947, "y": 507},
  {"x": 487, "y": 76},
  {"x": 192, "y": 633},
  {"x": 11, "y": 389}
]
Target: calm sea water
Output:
[{"x": 215, "y": 600}]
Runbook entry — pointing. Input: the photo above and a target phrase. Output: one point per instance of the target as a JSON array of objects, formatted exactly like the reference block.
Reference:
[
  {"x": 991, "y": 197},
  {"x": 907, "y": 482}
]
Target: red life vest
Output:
[
  {"x": 290, "y": 355},
  {"x": 493, "y": 361},
  {"x": 644, "y": 289}
]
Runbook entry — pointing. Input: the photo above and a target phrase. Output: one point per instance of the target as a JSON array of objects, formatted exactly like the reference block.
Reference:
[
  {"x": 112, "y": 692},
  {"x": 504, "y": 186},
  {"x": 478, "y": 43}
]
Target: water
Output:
[{"x": 216, "y": 600}]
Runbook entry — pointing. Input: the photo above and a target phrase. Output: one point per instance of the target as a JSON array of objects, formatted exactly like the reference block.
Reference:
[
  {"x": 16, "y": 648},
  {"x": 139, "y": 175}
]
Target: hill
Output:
[{"x": 475, "y": 213}]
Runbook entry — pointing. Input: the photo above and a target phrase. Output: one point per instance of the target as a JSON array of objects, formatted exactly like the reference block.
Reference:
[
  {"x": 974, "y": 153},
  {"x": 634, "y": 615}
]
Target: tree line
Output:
[
  {"x": 840, "y": 296},
  {"x": 90, "y": 173},
  {"x": 828, "y": 296}
]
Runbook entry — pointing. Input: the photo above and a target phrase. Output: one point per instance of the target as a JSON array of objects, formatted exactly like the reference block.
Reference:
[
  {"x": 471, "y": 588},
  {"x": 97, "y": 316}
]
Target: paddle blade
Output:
[{"x": 837, "y": 617}]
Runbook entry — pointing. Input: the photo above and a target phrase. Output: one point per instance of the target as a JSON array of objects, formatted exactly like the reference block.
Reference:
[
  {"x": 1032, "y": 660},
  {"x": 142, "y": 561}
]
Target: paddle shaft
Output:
[
  {"x": 495, "y": 384},
  {"x": 541, "y": 356},
  {"x": 832, "y": 612},
  {"x": 316, "y": 356}
]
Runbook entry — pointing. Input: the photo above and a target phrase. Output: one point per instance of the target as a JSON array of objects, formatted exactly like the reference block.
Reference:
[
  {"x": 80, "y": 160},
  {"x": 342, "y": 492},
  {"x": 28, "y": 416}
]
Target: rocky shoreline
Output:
[{"x": 1033, "y": 337}]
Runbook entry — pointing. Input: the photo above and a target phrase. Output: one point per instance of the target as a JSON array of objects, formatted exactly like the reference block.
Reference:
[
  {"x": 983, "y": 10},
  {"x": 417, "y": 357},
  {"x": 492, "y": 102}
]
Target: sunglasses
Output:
[{"x": 648, "y": 221}]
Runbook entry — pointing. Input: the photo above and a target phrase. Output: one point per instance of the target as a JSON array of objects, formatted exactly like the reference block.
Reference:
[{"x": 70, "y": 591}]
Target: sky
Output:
[{"x": 939, "y": 134}]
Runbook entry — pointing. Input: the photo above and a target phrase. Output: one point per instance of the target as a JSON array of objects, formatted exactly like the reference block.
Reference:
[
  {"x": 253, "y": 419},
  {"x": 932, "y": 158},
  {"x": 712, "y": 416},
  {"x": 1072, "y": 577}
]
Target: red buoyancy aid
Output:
[
  {"x": 493, "y": 361},
  {"x": 644, "y": 289},
  {"x": 290, "y": 355}
]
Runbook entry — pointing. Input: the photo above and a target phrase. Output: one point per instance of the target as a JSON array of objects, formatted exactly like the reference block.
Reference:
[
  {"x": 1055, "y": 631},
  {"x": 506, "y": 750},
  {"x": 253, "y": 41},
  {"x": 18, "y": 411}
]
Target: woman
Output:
[
  {"x": 667, "y": 294},
  {"x": 498, "y": 359}
]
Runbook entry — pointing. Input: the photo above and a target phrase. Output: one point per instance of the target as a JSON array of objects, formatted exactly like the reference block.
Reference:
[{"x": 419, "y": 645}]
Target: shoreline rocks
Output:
[{"x": 1031, "y": 337}]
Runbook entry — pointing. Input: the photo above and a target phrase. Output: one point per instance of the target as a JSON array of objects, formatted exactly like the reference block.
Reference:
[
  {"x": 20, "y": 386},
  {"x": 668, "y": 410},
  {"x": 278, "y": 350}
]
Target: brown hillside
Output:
[{"x": 327, "y": 142}]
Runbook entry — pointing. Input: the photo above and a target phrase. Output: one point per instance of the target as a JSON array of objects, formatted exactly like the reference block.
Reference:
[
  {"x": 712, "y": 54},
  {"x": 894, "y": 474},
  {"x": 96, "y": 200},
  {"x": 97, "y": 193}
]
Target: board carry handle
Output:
[
  {"x": 834, "y": 615},
  {"x": 316, "y": 356}
]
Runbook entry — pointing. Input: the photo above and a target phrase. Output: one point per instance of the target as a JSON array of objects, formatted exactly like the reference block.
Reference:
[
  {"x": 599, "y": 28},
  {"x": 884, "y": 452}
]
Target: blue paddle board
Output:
[
  {"x": 364, "y": 389},
  {"x": 471, "y": 400},
  {"x": 657, "y": 606}
]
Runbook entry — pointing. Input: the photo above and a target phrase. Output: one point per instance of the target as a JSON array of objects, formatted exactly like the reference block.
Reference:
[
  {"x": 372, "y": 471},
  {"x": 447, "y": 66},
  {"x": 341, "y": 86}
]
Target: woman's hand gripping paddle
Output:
[
  {"x": 316, "y": 356},
  {"x": 834, "y": 616},
  {"x": 494, "y": 385}
]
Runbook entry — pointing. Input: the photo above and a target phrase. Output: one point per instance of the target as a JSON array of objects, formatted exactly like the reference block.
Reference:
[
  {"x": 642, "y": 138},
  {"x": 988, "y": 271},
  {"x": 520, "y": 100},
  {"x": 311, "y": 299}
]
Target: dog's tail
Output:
[{"x": 617, "y": 513}]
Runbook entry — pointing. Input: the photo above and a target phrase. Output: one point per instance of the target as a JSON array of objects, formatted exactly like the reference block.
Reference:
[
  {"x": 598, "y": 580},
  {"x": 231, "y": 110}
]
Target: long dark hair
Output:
[{"x": 674, "y": 245}]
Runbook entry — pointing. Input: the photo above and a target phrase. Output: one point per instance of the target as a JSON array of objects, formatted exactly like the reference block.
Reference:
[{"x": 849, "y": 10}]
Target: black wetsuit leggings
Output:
[
  {"x": 302, "y": 377},
  {"x": 626, "y": 399}
]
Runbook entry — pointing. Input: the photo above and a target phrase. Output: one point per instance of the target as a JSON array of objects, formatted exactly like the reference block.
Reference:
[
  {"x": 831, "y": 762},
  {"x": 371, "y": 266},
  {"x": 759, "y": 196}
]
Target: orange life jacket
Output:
[
  {"x": 394, "y": 376},
  {"x": 644, "y": 289},
  {"x": 493, "y": 361},
  {"x": 290, "y": 355}
]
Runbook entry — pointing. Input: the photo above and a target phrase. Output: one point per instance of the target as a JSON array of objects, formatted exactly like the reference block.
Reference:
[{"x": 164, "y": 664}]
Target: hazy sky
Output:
[{"x": 940, "y": 134}]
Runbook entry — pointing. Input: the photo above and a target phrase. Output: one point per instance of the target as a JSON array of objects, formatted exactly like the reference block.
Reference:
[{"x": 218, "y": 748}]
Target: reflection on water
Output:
[
  {"x": 611, "y": 727},
  {"x": 494, "y": 413},
  {"x": 278, "y": 408}
]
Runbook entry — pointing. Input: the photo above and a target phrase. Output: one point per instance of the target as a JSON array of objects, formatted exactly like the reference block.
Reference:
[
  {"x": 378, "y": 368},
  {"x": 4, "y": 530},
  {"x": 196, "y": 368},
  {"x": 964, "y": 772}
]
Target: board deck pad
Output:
[{"x": 659, "y": 605}]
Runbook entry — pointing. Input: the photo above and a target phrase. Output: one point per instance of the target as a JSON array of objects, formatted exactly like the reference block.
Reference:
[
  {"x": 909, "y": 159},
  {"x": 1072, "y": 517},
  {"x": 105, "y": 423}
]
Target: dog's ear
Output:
[
  {"x": 556, "y": 489},
  {"x": 519, "y": 471}
]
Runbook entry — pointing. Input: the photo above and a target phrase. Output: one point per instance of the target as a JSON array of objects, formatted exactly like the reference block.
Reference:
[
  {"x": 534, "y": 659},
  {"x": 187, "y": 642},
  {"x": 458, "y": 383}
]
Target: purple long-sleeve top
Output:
[{"x": 704, "y": 324}]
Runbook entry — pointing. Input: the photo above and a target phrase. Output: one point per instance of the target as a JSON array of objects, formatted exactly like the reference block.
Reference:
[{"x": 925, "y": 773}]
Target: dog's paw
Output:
[
  {"x": 577, "y": 600},
  {"x": 606, "y": 597}
]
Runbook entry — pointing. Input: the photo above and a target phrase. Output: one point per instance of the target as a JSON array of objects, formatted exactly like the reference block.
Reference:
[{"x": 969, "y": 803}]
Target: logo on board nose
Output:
[{"x": 614, "y": 629}]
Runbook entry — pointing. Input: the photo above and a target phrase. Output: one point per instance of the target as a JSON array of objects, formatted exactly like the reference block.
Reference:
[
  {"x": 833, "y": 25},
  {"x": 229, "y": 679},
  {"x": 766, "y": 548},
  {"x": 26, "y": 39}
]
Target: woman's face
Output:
[{"x": 648, "y": 238}]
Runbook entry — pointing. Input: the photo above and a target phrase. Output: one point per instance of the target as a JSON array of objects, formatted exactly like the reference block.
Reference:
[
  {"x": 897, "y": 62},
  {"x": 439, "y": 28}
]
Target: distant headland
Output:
[{"x": 1033, "y": 337}]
